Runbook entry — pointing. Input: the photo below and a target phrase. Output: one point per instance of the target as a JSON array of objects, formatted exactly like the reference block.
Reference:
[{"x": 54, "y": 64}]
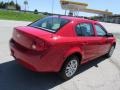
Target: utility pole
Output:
[
  {"x": 16, "y": 4},
  {"x": 16, "y": 1}
]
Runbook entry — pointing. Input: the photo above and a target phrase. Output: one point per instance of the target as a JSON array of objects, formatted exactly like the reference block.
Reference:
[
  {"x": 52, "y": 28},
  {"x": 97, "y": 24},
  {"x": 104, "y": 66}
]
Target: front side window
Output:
[
  {"x": 100, "y": 30},
  {"x": 84, "y": 29},
  {"x": 51, "y": 24}
]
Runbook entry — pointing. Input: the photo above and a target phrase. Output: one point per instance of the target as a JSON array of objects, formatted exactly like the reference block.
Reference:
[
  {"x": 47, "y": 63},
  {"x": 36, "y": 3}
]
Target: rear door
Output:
[
  {"x": 86, "y": 40},
  {"x": 103, "y": 41}
]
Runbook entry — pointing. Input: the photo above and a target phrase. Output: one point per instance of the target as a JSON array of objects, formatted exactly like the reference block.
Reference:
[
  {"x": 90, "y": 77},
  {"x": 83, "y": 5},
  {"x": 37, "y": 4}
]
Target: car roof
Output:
[{"x": 72, "y": 18}]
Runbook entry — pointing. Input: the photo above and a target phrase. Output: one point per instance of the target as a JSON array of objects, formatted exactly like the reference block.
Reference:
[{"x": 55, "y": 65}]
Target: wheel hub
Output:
[{"x": 71, "y": 68}]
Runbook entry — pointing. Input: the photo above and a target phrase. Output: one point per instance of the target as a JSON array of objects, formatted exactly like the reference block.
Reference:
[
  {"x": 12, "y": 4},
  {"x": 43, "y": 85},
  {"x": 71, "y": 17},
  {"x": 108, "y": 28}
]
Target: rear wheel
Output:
[
  {"x": 109, "y": 54},
  {"x": 70, "y": 67}
]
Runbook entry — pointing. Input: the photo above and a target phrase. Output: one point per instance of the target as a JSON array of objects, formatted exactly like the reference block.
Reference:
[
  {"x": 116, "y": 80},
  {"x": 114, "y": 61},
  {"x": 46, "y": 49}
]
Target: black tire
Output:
[
  {"x": 110, "y": 52},
  {"x": 63, "y": 71}
]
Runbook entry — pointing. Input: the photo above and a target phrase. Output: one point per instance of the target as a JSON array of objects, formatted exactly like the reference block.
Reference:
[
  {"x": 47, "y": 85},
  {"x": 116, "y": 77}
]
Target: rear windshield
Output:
[{"x": 51, "y": 24}]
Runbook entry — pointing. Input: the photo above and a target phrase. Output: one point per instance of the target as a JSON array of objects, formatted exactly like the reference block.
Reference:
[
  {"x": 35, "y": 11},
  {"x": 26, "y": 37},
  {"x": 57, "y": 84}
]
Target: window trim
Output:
[
  {"x": 102, "y": 29},
  {"x": 85, "y": 23}
]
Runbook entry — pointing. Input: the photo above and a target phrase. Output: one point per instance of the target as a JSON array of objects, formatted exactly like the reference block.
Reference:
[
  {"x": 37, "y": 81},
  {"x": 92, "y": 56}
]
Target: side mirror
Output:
[{"x": 109, "y": 35}]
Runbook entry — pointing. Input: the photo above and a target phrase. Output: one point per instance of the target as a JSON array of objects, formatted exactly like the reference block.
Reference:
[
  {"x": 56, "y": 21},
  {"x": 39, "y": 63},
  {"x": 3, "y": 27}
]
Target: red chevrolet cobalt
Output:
[{"x": 60, "y": 44}]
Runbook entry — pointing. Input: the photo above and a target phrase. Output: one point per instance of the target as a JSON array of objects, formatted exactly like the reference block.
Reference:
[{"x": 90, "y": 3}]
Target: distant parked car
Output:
[{"x": 60, "y": 44}]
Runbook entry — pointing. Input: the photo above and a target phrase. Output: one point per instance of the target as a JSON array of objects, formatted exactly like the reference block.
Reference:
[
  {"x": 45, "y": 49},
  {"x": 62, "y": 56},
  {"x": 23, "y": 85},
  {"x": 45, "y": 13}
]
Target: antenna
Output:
[
  {"x": 52, "y": 6},
  {"x": 52, "y": 10}
]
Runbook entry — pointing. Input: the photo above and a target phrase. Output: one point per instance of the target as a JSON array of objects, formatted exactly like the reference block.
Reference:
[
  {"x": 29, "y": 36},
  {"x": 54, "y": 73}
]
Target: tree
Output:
[
  {"x": 1, "y": 4},
  {"x": 5, "y": 5},
  {"x": 25, "y": 3},
  {"x": 46, "y": 13},
  {"x": 18, "y": 7},
  {"x": 35, "y": 11},
  {"x": 12, "y": 3}
]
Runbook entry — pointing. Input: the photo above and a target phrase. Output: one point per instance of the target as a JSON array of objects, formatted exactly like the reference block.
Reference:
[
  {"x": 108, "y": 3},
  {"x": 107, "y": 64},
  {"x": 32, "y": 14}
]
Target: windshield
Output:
[{"x": 51, "y": 24}]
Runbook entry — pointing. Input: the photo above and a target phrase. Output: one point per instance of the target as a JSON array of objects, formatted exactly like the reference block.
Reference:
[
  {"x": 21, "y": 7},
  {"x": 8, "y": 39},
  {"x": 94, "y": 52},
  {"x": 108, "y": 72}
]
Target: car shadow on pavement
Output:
[
  {"x": 15, "y": 77},
  {"x": 93, "y": 63}
]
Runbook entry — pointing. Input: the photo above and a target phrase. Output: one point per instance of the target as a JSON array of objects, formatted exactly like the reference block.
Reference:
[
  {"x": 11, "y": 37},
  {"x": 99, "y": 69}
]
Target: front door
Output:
[{"x": 103, "y": 41}]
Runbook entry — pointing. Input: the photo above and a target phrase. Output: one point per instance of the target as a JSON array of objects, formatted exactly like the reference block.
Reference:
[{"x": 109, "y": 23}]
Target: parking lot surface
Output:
[{"x": 100, "y": 74}]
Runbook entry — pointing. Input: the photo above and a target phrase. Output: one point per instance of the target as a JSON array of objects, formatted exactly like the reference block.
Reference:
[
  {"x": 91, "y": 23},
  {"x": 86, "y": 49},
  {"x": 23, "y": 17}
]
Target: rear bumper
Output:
[{"x": 35, "y": 62}]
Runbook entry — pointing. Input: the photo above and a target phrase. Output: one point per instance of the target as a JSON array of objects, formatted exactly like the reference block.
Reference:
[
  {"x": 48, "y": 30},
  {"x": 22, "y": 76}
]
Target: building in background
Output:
[
  {"x": 75, "y": 7},
  {"x": 109, "y": 19}
]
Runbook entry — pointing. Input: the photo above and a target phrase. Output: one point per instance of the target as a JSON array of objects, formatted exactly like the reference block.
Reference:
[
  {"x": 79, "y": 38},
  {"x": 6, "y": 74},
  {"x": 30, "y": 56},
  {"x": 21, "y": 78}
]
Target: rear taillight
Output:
[
  {"x": 34, "y": 46},
  {"x": 39, "y": 45}
]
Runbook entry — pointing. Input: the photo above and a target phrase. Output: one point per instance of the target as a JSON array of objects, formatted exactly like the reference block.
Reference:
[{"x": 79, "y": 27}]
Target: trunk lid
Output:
[{"x": 26, "y": 35}]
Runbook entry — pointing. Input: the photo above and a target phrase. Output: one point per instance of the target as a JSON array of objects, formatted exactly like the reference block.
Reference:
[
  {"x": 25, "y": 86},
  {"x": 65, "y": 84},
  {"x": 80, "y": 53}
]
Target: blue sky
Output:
[{"x": 46, "y": 5}]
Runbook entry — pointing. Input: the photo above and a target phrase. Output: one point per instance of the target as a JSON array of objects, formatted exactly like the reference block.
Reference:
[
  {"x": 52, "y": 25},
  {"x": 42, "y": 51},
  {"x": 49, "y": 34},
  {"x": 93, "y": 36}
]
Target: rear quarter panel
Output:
[{"x": 61, "y": 48}]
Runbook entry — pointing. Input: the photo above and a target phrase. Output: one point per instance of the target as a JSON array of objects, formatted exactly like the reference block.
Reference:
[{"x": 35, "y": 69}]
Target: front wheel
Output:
[
  {"x": 70, "y": 67},
  {"x": 109, "y": 54}
]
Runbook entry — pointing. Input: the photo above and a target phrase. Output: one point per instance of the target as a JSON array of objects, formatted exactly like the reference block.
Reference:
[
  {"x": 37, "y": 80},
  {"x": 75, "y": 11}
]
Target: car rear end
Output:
[
  {"x": 32, "y": 47},
  {"x": 27, "y": 48}
]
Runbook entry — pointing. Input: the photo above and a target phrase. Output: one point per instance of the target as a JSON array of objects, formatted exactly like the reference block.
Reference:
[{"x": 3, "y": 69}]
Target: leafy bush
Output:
[{"x": 36, "y": 11}]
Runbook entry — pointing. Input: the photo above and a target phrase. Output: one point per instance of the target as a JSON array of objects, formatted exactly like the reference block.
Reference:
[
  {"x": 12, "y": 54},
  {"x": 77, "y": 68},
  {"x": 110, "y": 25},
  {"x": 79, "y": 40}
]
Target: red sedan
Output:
[{"x": 60, "y": 44}]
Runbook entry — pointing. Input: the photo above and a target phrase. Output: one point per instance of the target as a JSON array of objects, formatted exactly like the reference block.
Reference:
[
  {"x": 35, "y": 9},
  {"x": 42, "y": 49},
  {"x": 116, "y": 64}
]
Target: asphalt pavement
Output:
[{"x": 100, "y": 74}]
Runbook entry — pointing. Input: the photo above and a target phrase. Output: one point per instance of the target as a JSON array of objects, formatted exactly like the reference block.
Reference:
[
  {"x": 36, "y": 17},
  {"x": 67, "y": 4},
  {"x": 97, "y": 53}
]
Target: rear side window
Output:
[
  {"x": 100, "y": 30},
  {"x": 51, "y": 24},
  {"x": 85, "y": 29}
]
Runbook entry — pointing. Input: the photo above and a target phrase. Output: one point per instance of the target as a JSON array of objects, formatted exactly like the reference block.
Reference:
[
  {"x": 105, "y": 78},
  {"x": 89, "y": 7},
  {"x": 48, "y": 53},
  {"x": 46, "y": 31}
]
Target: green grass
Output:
[{"x": 20, "y": 16}]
